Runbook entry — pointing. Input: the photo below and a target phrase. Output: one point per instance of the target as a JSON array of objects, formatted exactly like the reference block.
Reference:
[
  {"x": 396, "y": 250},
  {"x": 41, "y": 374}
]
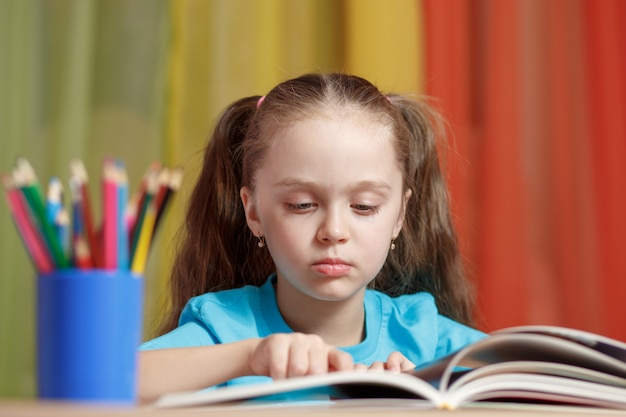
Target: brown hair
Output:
[{"x": 217, "y": 250}]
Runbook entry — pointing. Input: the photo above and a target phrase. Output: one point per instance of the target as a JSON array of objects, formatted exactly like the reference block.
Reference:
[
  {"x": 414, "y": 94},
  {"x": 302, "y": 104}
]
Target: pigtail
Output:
[
  {"x": 427, "y": 256},
  {"x": 216, "y": 250}
]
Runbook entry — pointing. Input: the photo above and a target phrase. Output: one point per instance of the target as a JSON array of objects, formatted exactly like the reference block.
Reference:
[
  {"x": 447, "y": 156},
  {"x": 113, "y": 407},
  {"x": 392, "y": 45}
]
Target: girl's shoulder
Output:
[
  {"x": 226, "y": 298},
  {"x": 250, "y": 306}
]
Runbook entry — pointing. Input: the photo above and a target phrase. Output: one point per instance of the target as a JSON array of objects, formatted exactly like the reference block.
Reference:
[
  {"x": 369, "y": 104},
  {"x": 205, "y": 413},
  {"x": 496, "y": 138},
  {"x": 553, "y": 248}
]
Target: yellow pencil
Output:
[{"x": 140, "y": 256}]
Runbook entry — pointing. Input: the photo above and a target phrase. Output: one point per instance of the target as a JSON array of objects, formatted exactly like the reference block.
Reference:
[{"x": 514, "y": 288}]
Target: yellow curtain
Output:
[
  {"x": 224, "y": 50},
  {"x": 145, "y": 80},
  {"x": 383, "y": 43}
]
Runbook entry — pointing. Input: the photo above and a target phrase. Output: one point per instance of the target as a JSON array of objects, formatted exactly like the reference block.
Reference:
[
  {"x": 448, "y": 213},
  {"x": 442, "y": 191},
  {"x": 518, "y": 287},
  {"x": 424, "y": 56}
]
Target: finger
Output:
[
  {"x": 320, "y": 359},
  {"x": 397, "y": 362},
  {"x": 407, "y": 365},
  {"x": 377, "y": 366},
  {"x": 338, "y": 360},
  {"x": 277, "y": 352},
  {"x": 299, "y": 357},
  {"x": 360, "y": 367}
]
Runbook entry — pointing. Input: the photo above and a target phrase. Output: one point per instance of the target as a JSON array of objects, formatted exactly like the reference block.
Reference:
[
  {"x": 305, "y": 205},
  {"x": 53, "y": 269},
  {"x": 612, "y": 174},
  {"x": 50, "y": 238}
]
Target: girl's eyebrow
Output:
[{"x": 293, "y": 182}]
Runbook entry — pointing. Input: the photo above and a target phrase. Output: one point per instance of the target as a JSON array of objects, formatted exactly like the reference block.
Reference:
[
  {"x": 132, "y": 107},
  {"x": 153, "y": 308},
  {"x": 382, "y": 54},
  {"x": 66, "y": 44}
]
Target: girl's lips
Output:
[{"x": 331, "y": 268}]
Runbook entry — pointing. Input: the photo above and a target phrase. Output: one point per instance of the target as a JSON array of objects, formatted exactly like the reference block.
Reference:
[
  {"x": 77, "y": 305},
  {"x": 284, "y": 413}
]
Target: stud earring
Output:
[{"x": 261, "y": 242}]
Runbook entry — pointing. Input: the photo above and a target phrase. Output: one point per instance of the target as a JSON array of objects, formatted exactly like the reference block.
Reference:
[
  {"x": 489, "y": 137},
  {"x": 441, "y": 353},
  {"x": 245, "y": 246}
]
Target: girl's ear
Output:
[
  {"x": 398, "y": 227},
  {"x": 249, "y": 207}
]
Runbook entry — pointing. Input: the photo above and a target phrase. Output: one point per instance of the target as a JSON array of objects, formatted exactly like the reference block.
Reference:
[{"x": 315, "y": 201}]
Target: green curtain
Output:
[
  {"x": 78, "y": 78},
  {"x": 144, "y": 80}
]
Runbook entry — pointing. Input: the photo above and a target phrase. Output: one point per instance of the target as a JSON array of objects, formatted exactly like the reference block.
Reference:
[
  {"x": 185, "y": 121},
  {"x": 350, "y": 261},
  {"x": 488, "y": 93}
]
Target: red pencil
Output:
[
  {"x": 173, "y": 185},
  {"x": 163, "y": 180},
  {"x": 79, "y": 172},
  {"x": 32, "y": 238},
  {"x": 81, "y": 254},
  {"x": 82, "y": 258}
]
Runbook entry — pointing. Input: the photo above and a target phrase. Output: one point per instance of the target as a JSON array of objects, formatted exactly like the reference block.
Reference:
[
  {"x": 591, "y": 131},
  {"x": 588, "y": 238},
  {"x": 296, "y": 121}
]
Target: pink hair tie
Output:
[{"x": 260, "y": 101}]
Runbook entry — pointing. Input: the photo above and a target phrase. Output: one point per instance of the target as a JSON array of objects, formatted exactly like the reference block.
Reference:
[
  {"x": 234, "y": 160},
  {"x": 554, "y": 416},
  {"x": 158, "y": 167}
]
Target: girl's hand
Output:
[
  {"x": 288, "y": 355},
  {"x": 396, "y": 362}
]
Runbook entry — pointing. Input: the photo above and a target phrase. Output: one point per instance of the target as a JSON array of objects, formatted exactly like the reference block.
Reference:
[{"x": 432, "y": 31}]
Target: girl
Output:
[{"x": 334, "y": 191}]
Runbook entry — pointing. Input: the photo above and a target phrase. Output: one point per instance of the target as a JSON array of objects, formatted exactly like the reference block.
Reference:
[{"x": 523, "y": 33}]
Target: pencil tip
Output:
[
  {"x": 25, "y": 170},
  {"x": 77, "y": 168},
  {"x": 176, "y": 179}
]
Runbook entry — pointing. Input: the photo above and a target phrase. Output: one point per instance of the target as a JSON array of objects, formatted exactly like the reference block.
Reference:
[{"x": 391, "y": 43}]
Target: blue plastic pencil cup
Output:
[{"x": 89, "y": 326}]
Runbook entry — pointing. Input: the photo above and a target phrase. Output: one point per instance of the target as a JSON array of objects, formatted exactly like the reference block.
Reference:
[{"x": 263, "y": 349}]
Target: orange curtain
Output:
[{"x": 535, "y": 92}]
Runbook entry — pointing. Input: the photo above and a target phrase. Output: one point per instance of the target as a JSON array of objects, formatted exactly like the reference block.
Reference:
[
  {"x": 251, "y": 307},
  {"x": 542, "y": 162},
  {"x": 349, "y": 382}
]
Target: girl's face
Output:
[{"x": 328, "y": 201}]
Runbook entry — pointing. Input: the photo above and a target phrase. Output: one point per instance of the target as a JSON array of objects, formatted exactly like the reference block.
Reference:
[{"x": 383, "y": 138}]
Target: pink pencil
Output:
[
  {"x": 32, "y": 239},
  {"x": 110, "y": 216}
]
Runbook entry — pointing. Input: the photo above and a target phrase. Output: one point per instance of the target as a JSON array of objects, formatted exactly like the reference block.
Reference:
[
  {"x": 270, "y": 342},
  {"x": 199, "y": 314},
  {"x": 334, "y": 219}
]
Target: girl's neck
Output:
[{"x": 339, "y": 323}]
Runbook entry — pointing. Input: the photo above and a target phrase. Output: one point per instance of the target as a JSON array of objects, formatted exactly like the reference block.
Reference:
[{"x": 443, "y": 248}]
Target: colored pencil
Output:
[
  {"x": 122, "y": 227},
  {"x": 110, "y": 210},
  {"x": 54, "y": 198},
  {"x": 61, "y": 225},
  {"x": 31, "y": 190},
  {"x": 173, "y": 185},
  {"x": 142, "y": 249},
  {"x": 78, "y": 171},
  {"x": 82, "y": 259},
  {"x": 127, "y": 229},
  {"x": 136, "y": 202},
  {"x": 81, "y": 254},
  {"x": 147, "y": 201},
  {"x": 163, "y": 180},
  {"x": 31, "y": 236}
]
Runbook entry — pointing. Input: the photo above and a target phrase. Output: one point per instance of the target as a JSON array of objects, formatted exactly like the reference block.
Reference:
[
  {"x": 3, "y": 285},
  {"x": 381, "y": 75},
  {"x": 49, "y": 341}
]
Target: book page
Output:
[
  {"x": 507, "y": 347},
  {"x": 531, "y": 367},
  {"x": 603, "y": 344},
  {"x": 536, "y": 387},
  {"x": 327, "y": 387}
]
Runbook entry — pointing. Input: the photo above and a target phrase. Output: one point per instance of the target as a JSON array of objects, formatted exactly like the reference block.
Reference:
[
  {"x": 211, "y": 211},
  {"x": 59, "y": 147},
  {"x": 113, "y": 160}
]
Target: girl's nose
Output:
[{"x": 333, "y": 229}]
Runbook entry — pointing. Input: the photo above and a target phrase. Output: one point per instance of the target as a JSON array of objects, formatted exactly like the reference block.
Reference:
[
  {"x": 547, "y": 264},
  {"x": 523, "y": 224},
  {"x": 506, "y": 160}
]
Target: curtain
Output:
[
  {"x": 145, "y": 80},
  {"x": 78, "y": 78},
  {"x": 535, "y": 92}
]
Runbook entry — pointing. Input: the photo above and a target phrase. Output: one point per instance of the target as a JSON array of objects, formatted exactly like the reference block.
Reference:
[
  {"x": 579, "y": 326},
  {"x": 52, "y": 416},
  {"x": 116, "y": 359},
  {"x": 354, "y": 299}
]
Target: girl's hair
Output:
[{"x": 218, "y": 251}]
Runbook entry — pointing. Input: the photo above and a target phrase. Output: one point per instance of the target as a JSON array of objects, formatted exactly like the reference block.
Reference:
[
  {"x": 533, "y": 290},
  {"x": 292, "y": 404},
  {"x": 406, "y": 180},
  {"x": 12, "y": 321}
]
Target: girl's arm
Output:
[
  {"x": 193, "y": 368},
  {"x": 184, "y": 369}
]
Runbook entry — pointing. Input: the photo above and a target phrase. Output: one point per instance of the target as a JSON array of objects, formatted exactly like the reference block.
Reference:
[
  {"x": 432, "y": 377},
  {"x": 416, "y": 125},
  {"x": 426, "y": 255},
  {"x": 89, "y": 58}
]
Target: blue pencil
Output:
[
  {"x": 122, "y": 232},
  {"x": 53, "y": 198},
  {"x": 62, "y": 227}
]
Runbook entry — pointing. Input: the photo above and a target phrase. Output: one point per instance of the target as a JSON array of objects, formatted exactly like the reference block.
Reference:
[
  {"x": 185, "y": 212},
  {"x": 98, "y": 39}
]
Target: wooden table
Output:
[{"x": 25, "y": 408}]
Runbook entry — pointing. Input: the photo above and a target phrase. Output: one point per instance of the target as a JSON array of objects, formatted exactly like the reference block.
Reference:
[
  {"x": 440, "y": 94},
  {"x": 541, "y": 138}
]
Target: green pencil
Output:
[{"x": 25, "y": 175}]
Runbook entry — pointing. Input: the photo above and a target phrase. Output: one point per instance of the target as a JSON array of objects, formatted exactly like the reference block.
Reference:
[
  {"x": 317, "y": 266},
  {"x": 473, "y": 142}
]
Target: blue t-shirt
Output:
[{"x": 409, "y": 324}]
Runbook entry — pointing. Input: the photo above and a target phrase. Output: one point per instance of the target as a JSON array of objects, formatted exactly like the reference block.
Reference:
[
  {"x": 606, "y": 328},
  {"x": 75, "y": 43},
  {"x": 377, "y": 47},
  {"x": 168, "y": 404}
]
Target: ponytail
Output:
[
  {"x": 217, "y": 250},
  {"x": 427, "y": 256}
]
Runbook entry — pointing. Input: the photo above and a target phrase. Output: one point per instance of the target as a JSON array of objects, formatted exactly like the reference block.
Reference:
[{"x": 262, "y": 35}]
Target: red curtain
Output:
[{"x": 535, "y": 92}]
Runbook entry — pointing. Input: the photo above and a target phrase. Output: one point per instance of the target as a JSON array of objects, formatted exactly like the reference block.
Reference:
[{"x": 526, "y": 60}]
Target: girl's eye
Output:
[
  {"x": 365, "y": 209},
  {"x": 300, "y": 206}
]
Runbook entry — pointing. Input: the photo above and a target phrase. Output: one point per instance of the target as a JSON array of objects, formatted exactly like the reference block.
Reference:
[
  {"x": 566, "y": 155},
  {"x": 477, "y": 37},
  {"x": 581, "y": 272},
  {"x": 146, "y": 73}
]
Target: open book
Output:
[{"x": 543, "y": 364}]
